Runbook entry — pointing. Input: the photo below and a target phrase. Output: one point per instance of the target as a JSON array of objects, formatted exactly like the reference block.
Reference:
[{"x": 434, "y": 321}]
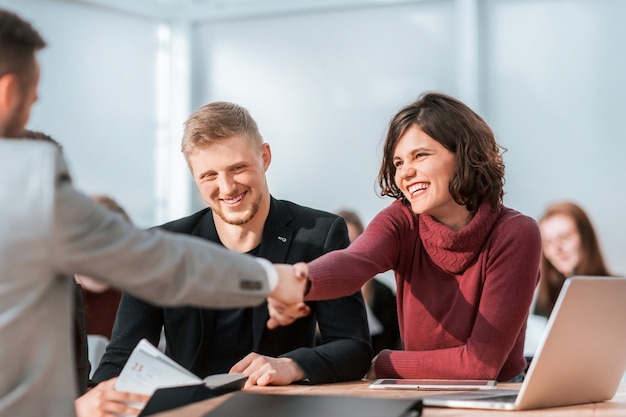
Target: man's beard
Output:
[{"x": 236, "y": 219}]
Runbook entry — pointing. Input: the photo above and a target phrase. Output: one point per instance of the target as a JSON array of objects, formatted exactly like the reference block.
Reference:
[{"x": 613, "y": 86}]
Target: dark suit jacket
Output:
[{"x": 292, "y": 234}]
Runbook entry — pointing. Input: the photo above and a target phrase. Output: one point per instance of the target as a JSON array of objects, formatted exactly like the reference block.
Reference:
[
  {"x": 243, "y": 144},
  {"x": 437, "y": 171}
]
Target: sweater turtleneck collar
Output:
[{"x": 453, "y": 251}]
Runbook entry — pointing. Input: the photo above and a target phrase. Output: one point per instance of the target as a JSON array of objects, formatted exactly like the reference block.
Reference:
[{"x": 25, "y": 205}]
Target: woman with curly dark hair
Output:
[{"x": 466, "y": 266}]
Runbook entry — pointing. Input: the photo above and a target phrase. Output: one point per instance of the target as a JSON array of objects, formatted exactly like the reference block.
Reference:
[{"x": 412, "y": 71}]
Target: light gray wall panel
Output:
[
  {"x": 97, "y": 97},
  {"x": 557, "y": 100}
]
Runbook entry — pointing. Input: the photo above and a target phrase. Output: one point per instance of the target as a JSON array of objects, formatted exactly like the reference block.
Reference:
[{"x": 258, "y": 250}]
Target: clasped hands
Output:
[{"x": 286, "y": 302}]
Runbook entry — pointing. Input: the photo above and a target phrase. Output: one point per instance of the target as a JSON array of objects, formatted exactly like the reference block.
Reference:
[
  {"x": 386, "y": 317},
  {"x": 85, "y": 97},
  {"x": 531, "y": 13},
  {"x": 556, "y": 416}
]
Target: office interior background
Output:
[{"x": 322, "y": 79}]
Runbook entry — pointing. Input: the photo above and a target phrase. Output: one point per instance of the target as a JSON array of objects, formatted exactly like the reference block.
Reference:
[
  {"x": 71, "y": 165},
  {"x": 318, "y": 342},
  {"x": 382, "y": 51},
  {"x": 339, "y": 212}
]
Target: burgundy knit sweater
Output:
[{"x": 463, "y": 296}]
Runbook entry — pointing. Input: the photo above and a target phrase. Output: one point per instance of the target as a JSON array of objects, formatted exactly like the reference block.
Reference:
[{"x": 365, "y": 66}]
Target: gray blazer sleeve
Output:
[{"x": 160, "y": 267}]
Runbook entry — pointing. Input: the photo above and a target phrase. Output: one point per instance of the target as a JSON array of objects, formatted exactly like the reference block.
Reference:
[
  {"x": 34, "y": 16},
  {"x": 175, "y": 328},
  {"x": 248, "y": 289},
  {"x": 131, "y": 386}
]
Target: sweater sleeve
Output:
[
  {"x": 343, "y": 272},
  {"x": 491, "y": 351}
]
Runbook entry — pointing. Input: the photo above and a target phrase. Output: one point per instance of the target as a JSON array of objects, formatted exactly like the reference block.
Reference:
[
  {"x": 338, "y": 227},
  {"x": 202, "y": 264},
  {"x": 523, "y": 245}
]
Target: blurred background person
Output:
[
  {"x": 569, "y": 247},
  {"x": 380, "y": 300},
  {"x": 100, "y": 299}
]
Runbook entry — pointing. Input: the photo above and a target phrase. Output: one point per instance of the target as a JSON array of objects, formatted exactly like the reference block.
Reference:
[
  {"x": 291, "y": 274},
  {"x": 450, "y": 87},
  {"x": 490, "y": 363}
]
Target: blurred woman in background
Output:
[{"x": 569, "y": 247}]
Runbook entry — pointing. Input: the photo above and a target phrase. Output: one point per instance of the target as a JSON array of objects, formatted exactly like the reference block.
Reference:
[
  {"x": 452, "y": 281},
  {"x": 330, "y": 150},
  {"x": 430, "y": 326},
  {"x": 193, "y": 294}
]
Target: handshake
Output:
[{"x": 286, "y": 302}]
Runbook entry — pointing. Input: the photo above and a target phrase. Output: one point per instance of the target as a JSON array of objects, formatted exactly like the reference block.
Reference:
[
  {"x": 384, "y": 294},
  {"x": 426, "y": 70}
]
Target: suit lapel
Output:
[
  {"x": 277, "y": 234},
  {"x": 277, "y": 239}
]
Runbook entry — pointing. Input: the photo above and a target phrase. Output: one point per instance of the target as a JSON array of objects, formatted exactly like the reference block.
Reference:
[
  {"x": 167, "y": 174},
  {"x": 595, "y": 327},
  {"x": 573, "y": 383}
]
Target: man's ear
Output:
[
  {"x": 267, "y": 155},
  {"x": 9, "y": 93}
]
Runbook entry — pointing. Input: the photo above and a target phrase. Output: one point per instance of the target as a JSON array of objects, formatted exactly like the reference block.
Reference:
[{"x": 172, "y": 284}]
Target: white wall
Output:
[
  {"x": 556, "y": 97},
  {"x": 97, "y": 98},
  {"x": 323, "y": 86}
]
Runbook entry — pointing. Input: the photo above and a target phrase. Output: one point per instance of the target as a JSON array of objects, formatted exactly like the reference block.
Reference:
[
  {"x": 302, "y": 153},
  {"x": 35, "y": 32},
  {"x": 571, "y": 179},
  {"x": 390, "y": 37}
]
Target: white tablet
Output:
[{"x": 434, "y": 384}]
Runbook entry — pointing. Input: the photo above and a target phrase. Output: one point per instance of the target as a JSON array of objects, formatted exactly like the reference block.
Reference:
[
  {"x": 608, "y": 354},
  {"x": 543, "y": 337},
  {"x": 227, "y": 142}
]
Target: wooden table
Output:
[{"x": 614, "y": 408}]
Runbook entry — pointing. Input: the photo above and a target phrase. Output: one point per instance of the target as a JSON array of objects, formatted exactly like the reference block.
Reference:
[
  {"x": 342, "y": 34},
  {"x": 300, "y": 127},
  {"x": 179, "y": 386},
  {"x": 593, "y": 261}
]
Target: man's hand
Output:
[
  {"x": 105, "y": 401},
  {"x": 292, "y": 283},
  {"x": 285, "y": 304},
  {"x": 265, "y": 370},
  {"x": 282, "y": 315}
]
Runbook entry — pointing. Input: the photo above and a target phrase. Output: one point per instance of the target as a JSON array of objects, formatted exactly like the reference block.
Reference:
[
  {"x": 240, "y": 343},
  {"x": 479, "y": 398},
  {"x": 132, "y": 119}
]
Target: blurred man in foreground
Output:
[{"x": 49, "y": 231}]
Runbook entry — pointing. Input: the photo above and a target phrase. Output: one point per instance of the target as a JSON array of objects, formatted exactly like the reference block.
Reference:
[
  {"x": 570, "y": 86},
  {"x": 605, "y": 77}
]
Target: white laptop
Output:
[{"x": 581, "y": 358}]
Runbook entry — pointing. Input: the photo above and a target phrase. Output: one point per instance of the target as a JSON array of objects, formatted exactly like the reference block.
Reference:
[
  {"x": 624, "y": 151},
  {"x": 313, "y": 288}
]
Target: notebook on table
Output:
[
  {"x": 149, "y": 371},
  {"x": 580, "y": 359}
]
